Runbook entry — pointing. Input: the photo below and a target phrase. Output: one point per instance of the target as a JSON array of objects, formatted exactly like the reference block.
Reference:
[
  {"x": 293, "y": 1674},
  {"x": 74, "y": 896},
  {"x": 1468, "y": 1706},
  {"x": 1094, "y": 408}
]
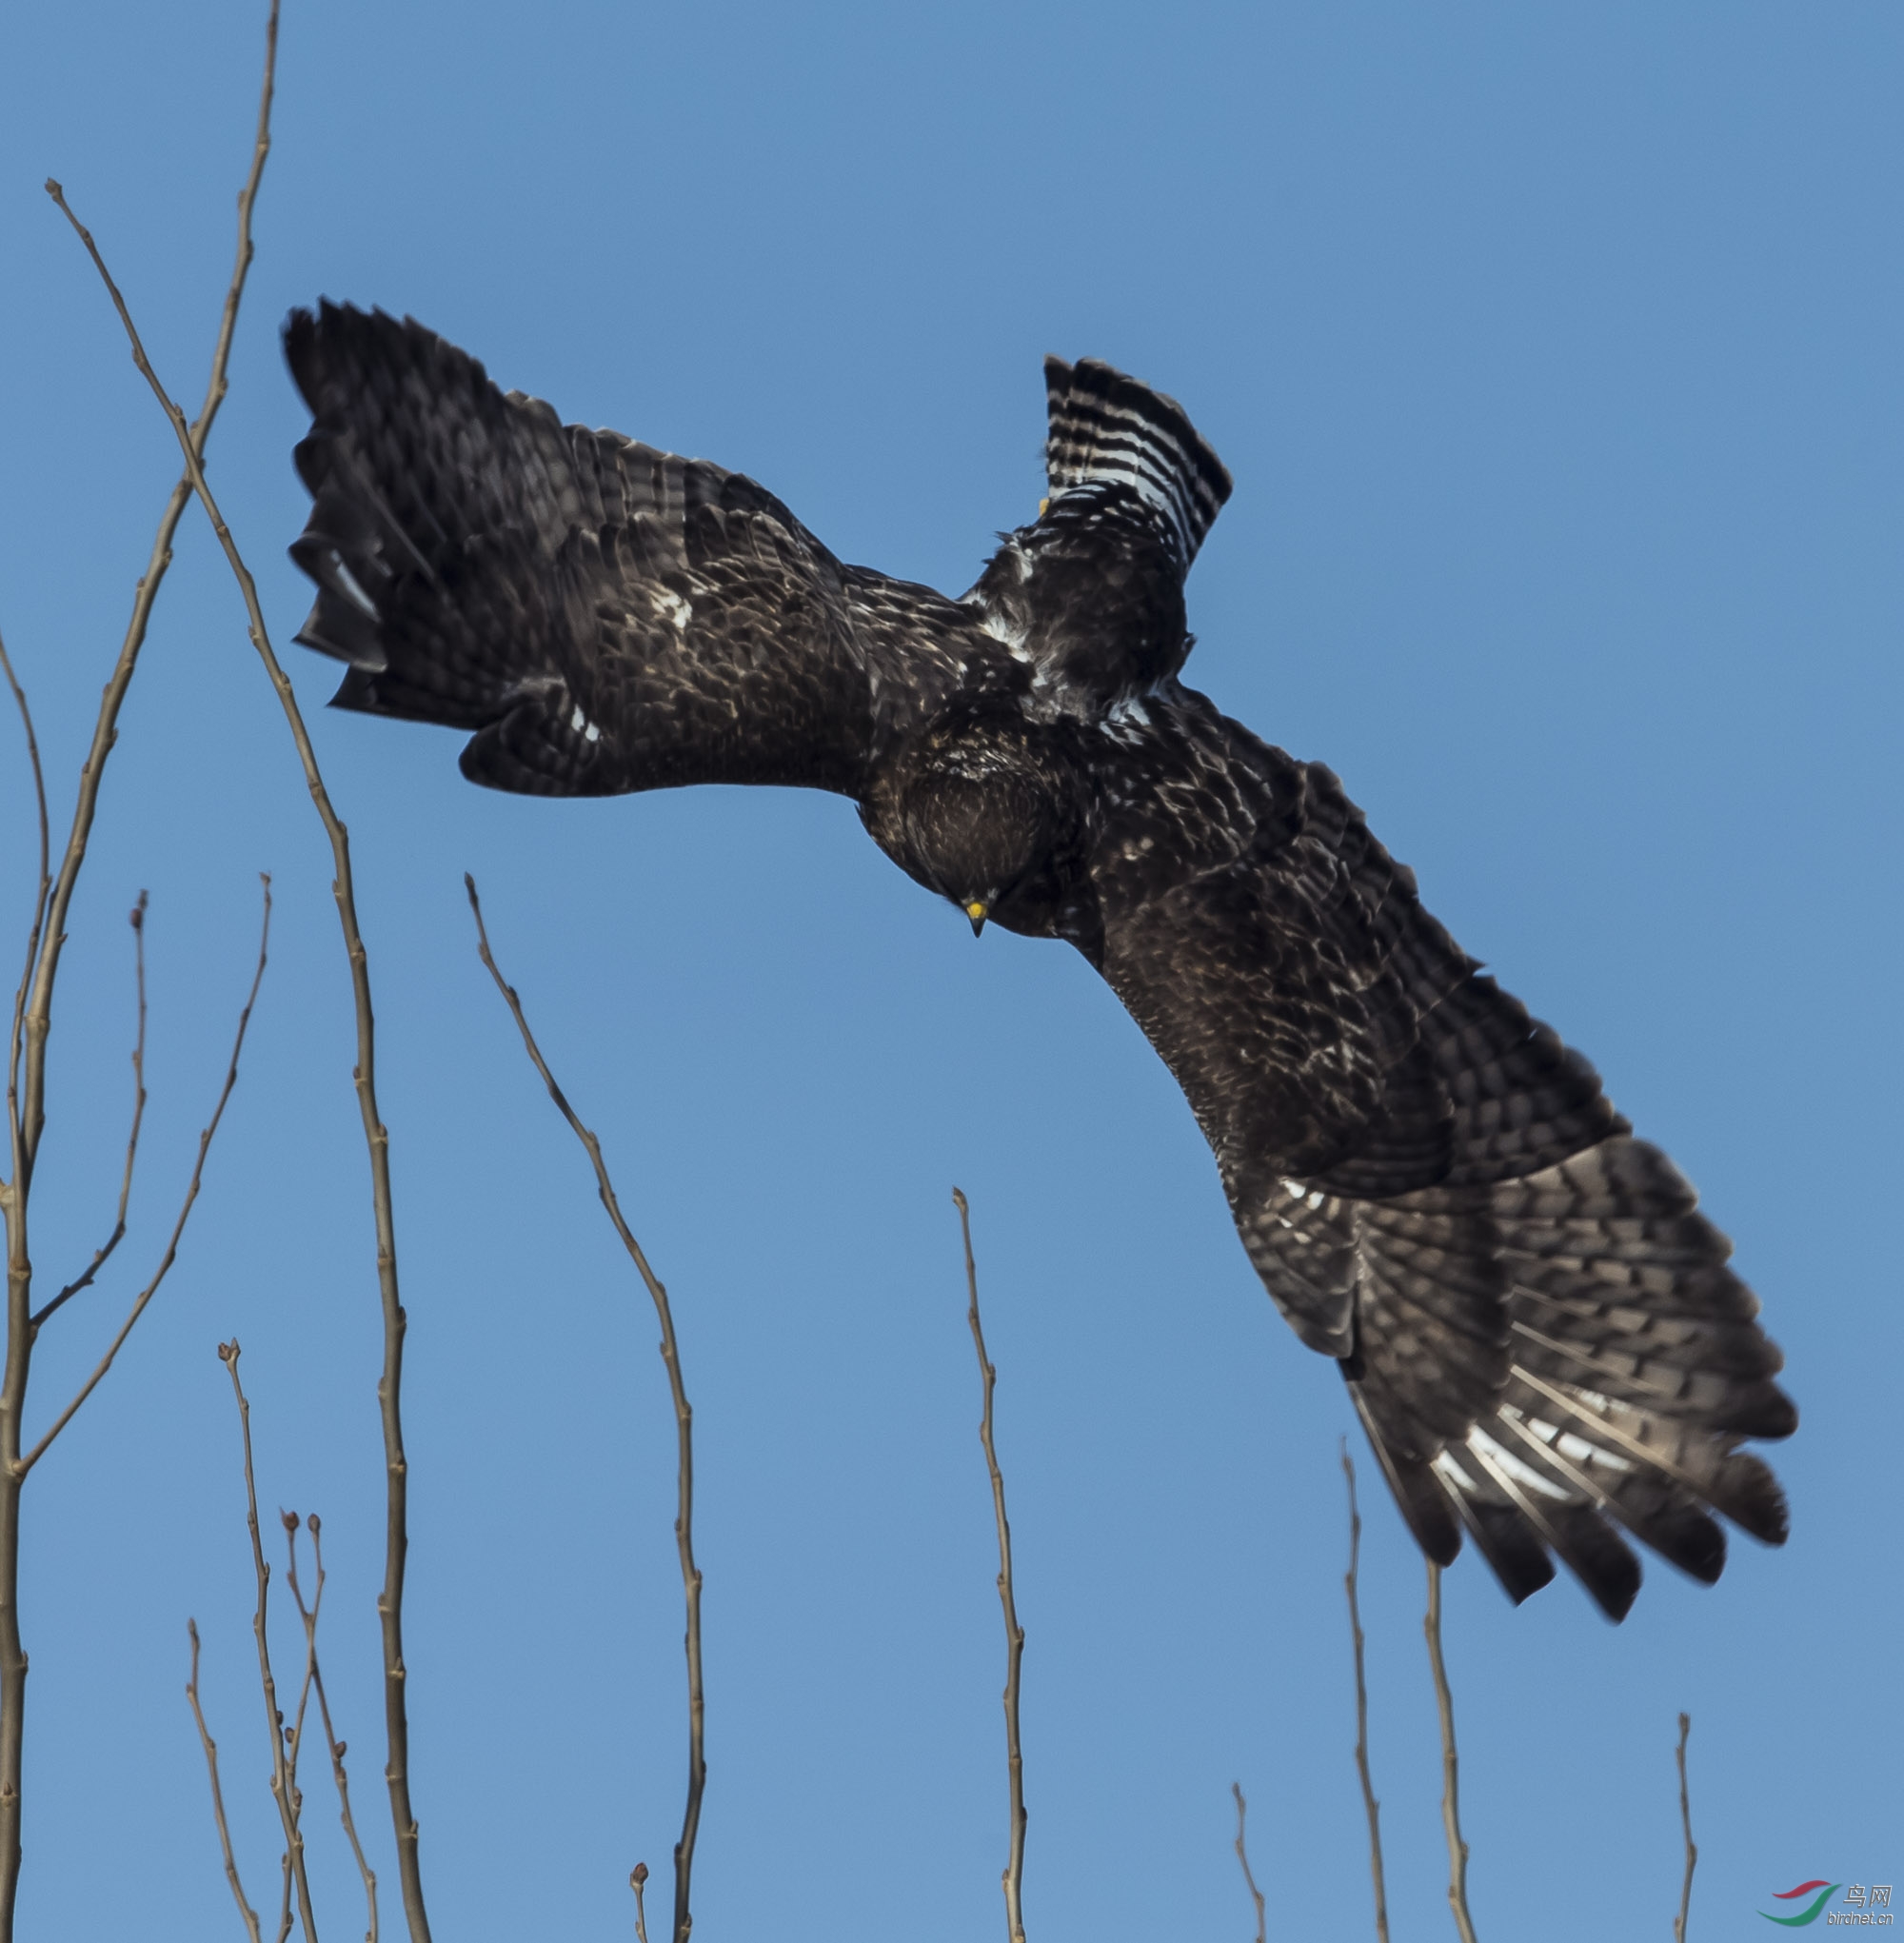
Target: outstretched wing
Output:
[
  {"x": 606, "y": 616},
  {"x": 1537, "y": 1329}
]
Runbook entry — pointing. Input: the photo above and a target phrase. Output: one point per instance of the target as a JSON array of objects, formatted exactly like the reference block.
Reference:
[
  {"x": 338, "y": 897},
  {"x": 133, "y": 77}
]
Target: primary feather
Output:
[{"x": 1538, "y": 1328}]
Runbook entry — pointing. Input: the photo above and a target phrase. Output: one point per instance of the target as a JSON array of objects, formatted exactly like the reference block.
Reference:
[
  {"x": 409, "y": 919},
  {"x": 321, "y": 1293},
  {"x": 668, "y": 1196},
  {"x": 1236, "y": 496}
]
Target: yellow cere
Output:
[
  {"x": 1042, "y": 504},
  {"x": 975, "y": 911}
]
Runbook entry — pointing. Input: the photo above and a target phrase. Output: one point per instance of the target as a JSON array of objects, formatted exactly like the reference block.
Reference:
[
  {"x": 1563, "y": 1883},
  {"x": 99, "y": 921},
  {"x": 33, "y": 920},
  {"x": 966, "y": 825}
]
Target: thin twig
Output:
[
  {"x": 1451, "y": 1796},
  {"x": 293, "y": 1734},
  {"x": 377, "y": 1138},
  {"x": 205, "y": 1141},
  {"x": 1013, "y": 1875},
  {"x": 683, "y": 1420},
  {"x": 284, "y": 1778},
  {"x": 23, "y": 1051},
  {"x": 102, "y": 1254},
  {"x": 1686, "y": 1824},
  {"x": 314, "y": 1680},
  {"x": 210, "y": 1747},
  {"x": 638, "y": 1878},
  {"x": 43, "y": 887},
  {"x": 1369, "y": 1805},
  {"x": 1242, "y": 1857}
]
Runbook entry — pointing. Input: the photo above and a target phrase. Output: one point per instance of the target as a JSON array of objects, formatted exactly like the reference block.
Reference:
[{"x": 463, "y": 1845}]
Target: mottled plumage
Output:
[{"x": 1538, "y": 1329}]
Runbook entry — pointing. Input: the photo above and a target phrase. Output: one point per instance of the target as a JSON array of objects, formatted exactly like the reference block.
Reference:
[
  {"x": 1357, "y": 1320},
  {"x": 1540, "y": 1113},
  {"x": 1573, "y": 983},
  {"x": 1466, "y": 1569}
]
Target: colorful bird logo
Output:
[{"x": 1811, "y": 1911}]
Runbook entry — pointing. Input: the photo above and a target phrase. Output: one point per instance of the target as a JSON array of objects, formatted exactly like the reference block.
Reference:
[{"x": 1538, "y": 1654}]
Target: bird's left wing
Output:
[
  {"x": 605, "y": 616},
  {"x": 1538, "y": 1327}
]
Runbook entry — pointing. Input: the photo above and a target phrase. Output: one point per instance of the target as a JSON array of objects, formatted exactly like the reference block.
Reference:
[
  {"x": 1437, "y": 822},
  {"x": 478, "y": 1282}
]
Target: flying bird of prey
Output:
[{"x": 1538, "y": 1328}]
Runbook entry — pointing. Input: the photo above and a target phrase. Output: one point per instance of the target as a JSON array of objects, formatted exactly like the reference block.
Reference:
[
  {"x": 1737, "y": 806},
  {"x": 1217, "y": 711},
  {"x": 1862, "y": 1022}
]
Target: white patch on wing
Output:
[
  {"x": 1575, "y": 1449},
  {"x": 1581, "y": 1452},
  {"x": 676, "y": 611},
  {"x": 352, "y": 585},
  {"x": 1505, "y": 1463},
  {"x": 582, "y": 726}
]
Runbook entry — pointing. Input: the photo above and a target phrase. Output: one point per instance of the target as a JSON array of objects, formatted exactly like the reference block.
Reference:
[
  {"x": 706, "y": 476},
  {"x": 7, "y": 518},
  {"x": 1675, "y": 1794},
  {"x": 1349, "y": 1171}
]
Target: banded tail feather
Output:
[{"x": 1107, "y": 429}]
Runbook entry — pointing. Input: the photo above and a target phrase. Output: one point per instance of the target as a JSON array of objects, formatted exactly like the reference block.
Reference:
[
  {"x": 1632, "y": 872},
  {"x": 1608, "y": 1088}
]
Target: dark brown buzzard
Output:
[{"x": 1538, "y": 1327}]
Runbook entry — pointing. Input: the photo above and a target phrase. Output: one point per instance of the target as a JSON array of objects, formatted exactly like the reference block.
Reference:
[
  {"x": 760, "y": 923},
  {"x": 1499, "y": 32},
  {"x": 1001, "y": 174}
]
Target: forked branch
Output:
[
  {"x": 104, "y": 1253},
  {"x": 1013, "y": 1875},
  {"x": 683, "y": 1420},
  {"x": 38, "y": 1017},
  {"x": 166, "y": 1260}
]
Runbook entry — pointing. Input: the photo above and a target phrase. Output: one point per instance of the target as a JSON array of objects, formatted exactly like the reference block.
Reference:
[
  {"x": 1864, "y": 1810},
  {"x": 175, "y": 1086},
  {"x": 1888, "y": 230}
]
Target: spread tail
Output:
[{"x": 1107, "y": 429}]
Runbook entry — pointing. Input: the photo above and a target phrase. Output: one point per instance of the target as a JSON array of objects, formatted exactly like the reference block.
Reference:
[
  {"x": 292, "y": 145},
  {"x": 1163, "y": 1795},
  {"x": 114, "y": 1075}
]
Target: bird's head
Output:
[
  {"x": 979, "y": 837},
  {"x": 983, "y": 820}
]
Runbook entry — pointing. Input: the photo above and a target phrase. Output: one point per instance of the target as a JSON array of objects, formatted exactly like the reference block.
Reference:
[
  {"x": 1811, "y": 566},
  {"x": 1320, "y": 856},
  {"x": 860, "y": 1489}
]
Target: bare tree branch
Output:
[
  {"x": 210, "y": 1747},
  {"x": 683, "y": 1419},
  {"x": 1451, "y": 1796},
  {"x": 32, "y": 1024},
  {"x": 638, "y": 1878},
  {"x": 171, "y": 1255},
  {"x": 1369, "y": 1805},
  {"x": 1686, "y": 1824},
  {"x": 102, "y": 1254},
  {"x": 314, "y": 1680},
  {"x": 390, "y": 1387},
  {"x": 1014, "y": 1876},
  {"x": 1242, "y": 1857},
  {"x": 284, "y": 1776}
]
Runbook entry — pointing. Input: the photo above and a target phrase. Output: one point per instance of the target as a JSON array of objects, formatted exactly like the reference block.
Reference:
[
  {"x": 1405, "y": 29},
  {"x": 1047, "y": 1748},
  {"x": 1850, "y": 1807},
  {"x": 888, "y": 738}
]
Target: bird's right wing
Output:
[
  {"x": 1538, "y": 1328},
  {"x": 605, "y": 616}
]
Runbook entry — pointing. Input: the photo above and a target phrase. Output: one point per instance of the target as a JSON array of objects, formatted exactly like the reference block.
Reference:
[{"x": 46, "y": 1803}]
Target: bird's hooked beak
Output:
[{"x": 978, "y": 911}]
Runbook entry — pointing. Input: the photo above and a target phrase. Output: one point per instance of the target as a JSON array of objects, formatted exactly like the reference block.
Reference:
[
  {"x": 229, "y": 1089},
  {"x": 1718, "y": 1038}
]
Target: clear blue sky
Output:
[{"x": 1556, "y": 355}]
